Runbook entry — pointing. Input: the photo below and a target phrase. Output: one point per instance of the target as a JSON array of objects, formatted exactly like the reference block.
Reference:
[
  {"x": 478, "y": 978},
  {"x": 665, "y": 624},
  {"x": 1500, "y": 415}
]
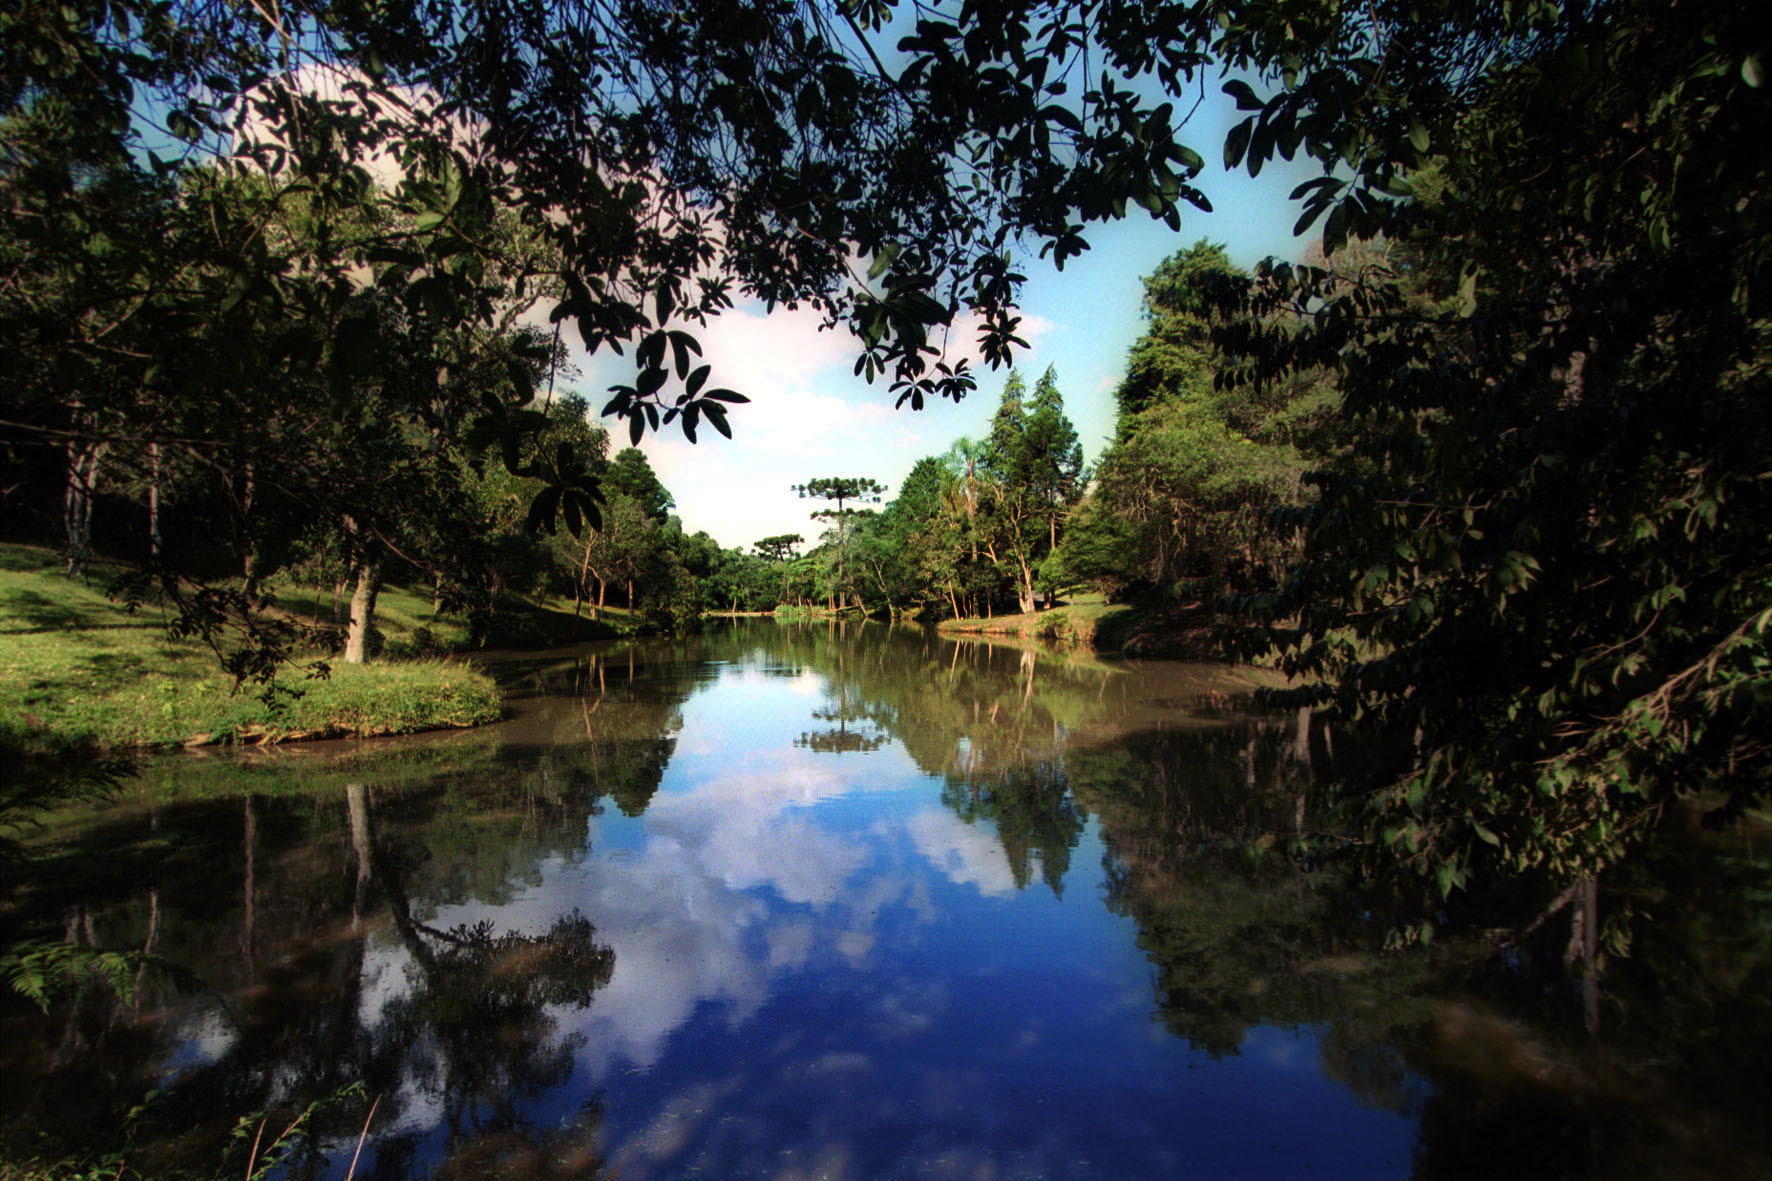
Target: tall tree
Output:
[
  {"x": 1032, "y": 465},
  {"x": 780, "y": 547},
  {"x": 841, "y": 489},
  {"x": 1187, "y": 492},
  {"x": 1013, "y": 533},
  {"x": 631, "y": 475}
]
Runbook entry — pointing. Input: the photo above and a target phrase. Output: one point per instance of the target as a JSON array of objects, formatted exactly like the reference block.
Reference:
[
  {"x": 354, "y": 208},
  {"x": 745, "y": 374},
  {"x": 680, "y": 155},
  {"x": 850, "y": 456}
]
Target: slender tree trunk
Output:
[
  {"x": 249, "y": 888},
  {"x": 1584, "y": 946},
  {"x": 154, "y": 501},
  {"x": 582, "y": 583}
]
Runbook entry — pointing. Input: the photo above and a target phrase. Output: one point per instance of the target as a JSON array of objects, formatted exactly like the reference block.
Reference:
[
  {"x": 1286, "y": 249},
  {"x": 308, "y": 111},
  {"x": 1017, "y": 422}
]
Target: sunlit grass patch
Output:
[
  {"x": 75, "y": 665},
  {"x": 1073, "y": 623}
]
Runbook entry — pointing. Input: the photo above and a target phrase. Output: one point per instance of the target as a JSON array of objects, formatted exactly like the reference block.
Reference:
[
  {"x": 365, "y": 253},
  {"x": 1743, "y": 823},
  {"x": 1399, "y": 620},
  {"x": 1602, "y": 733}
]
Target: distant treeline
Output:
[{"x": 1180, "y": 506}]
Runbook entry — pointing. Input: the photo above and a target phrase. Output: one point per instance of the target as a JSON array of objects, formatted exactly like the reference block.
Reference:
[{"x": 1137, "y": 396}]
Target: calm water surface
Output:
[{"x": 815, "y": 901}]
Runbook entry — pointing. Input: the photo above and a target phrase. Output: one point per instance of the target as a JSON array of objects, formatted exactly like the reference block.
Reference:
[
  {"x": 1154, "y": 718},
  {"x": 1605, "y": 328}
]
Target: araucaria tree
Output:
[{"x": 842, "y": 489}]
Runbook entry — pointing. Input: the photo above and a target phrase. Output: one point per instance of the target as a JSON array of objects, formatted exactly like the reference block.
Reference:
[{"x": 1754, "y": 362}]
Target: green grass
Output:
[
  {"x": 408, "y": 627},
  {"x": 1076, "y": 622},
  {"x": 76, "y": 667}
]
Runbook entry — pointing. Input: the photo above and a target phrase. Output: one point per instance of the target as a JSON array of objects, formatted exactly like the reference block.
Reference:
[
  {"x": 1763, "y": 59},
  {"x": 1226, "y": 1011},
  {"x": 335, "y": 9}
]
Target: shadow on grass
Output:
[{"x": 30, "y": 612}]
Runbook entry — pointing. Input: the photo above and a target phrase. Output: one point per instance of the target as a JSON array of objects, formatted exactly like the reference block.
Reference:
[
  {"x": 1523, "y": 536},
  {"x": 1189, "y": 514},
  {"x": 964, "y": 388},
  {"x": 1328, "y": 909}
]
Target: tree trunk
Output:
[
  {"x": 357, "y": 809},
  {"x": 249, "y": 887},
  {"x": 249, "y": 559},
  {"x": 154, "y": 502},
  {"x": 582, "y": 583},
  {"x": 363, "y": 608},
  {"x": 83, "y": 462}
]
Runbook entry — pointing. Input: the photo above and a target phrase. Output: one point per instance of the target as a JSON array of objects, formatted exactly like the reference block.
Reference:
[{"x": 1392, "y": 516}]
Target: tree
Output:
[
  {"x": 919, "y": 539},
  {"x": 672, "y": 163},
  {"x": 1559, "y": 486},
  {"x": 862, "y": 489},
  {"x": 658, "y": 166},
  {"x": 1582, "y": 414},
  {"x": 1032, "y": 470},
  {"x": 1187, "y": 492},
  {"x": 631, "y": 475},
  {"x": 780, "y": 547},
  {"x": 781, "y": 551},
  {"x": 1053, "y": 454}
]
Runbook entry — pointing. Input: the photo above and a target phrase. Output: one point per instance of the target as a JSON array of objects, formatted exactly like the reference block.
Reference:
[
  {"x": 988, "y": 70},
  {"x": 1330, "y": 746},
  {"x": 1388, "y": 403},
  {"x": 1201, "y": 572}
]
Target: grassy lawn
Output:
[
  {"x": 75, "y": 666},
  {"x": 409, "y": 628}
]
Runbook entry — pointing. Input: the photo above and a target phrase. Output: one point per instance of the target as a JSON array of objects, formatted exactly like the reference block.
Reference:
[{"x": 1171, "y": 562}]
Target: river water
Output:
[{"x": 844, "y": 901}]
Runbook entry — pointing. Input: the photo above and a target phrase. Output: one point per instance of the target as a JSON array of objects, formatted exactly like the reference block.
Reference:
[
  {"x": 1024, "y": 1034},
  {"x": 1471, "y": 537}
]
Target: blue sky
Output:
[{"x": 809, "y": 416}]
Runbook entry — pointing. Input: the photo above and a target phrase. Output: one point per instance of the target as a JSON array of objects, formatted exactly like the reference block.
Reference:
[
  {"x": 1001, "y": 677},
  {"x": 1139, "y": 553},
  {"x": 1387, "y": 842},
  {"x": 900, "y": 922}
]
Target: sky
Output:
[{"x": 809, "y": 415}]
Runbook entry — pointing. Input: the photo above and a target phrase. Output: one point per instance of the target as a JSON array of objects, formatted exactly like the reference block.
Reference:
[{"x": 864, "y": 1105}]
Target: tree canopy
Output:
[{"x": 1543, "y": 583}]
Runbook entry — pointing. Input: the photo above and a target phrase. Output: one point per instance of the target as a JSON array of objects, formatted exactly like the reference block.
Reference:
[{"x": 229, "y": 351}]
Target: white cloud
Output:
[
  {"x": 969, "y": 855},
  {"x": 809, "y": 416}
]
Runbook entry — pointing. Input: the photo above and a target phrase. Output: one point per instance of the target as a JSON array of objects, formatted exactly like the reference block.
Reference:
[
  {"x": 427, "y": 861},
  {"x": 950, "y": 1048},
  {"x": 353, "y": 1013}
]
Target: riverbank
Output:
[
  {"x": 1168, "y": 633},
  {"x": 76, "y": 668}
]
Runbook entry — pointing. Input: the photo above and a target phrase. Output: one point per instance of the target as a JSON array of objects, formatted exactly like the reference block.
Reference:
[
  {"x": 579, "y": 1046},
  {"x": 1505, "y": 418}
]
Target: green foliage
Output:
[
  {"x": 1542, "y": 586},
  {"x": 1185, "y": 498},
  {"x": 77, "y": 668},
  {"x": 277, "y": 271},
  {"x": 43, "y": 970},
  {"x": 1174, "y": 358},
  {"x": 860, "y": 490},
  {"x": 249, "y": 1154},
  {"x": 631, "y": 475}
]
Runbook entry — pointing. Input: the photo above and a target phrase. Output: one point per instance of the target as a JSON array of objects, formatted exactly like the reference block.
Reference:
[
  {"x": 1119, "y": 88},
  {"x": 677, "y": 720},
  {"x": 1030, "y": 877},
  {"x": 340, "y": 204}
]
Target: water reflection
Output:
[{"x": 791, "y": 900}]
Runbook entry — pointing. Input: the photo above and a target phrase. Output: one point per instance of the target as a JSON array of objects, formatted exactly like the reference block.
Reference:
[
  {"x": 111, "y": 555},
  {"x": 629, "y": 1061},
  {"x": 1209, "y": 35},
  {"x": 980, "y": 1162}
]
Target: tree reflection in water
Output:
[{"x": 800, "y": 956}]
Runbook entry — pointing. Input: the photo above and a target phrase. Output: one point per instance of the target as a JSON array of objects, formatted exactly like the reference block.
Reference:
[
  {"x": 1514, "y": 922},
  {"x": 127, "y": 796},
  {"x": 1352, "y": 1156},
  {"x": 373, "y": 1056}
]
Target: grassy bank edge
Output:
[
  {"x": 76, "y": 668},
  {"x": 1082, "y": 623}
]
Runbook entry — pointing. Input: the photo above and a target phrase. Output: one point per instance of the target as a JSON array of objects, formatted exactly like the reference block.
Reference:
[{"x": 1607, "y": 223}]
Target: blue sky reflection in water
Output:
[
  {"x": 822, "y": 969},
  {"x": 784, "y": 901}
]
